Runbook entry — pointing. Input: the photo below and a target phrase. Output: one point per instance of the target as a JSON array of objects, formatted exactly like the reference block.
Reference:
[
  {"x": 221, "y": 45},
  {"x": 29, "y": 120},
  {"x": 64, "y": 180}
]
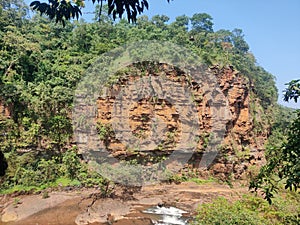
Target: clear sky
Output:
[{"x": 271, "y": 28}]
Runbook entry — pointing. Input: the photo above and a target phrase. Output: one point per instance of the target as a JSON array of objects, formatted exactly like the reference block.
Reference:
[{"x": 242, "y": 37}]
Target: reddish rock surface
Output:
[{"x": 241, "y": 148}]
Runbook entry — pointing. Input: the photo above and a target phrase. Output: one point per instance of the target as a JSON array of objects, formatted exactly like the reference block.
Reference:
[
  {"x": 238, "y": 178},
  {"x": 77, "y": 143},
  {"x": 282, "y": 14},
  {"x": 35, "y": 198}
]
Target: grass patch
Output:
[
  {"x": 64, "y": 182},
  {"x": 60, "y": 182},
  {"x": 202, "y": 181},
  {"x": 20, "y": 188}
]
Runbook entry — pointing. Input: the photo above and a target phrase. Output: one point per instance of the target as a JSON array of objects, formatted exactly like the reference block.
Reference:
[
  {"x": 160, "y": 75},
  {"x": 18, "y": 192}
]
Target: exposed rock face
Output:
[{"x": 241, "y": 149}]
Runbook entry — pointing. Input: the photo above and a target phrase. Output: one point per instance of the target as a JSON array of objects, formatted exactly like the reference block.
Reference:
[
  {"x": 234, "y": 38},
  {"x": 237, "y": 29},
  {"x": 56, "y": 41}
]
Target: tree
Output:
[
  {"x": 62, "y": 10},
  {"x": 202, "y": 22},
  {"x": 238, "y": 41},
  {"x": 283, "y": 162},
  {"x": 181, "y": 21},
  {"x": 293, "y": 91},
  {"x": 12, "y": 12},
  {"x": 160, "y": 20},
  {"x": 223, "y": 36},
  {"x": 41, "y": 64}
]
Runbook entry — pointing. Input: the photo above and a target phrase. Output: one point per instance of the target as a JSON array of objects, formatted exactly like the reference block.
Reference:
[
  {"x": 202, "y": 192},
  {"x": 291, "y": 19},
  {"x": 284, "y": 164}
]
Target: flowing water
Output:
[{"x": 167, "y": 215}]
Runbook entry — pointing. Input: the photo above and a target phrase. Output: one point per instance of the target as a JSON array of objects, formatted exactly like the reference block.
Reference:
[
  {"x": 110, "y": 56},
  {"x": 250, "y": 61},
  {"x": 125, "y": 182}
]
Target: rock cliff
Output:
[{"x": 241, "y": 151}]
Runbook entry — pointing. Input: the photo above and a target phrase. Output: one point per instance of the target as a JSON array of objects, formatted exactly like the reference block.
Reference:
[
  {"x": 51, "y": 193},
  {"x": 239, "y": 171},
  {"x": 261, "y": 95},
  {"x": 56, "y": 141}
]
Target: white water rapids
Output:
[{"x": 167, "y": 215}]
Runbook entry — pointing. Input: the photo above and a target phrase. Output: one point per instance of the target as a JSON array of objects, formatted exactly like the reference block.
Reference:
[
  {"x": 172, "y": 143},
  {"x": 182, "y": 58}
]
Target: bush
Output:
[
  {"x": 71, "y": 164},
  {"x": 251, "y": 210},
  {"x": 33, "y": 172},
  {"x": 222, "y": 212}
]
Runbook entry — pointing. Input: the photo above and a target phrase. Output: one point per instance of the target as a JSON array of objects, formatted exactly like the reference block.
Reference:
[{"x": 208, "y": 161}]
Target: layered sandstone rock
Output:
[{"x": 240, "y": 149}]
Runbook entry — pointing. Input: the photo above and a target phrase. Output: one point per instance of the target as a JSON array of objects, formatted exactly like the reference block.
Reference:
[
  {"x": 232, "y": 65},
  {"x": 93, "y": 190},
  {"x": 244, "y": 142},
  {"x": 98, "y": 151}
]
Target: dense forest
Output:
[{"x": 41, "y": 63}]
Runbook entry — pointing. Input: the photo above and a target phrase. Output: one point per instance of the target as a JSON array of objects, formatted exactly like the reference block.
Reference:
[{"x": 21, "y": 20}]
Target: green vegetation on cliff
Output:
[
  {"x": 41, "y": 63},
  {"x": 282, "y": 152}
]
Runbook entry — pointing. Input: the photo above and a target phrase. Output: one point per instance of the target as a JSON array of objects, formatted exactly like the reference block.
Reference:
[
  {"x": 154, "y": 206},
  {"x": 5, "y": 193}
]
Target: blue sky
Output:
[{"x": 271, "y": 28}]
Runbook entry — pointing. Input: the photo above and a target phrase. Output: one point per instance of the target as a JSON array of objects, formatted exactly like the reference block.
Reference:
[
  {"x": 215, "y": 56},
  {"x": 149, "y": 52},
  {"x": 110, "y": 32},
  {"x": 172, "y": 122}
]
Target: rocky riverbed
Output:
[{"x": 124, "y": 206}]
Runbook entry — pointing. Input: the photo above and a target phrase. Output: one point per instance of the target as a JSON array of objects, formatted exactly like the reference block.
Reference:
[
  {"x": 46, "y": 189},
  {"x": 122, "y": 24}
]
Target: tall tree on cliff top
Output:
[
  {"x": 62, "y": 10},
  {"x": 202, "y": 22}
]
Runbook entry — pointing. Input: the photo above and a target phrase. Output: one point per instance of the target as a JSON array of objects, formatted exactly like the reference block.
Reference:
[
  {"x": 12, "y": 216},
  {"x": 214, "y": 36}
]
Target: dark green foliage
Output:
[
  {"x": 132, "y": 8},
  {"x": 250, "y": 210},
  {"x": 34, "y": 170},
  {"x": 202, "y": 22},
  {"x": 181, "y": 21},
  {"x": 290, "y": 168},
  {"x": 293, "y": 91},
  {"x": 238, "y": 41},
  {"x": 3, "y": 164},
  {"x": 283, "y": 159},
  {"x": 42, "y": 62},
  {"x": 12, "y": 12},
  {"x": 62, "y": 10}
]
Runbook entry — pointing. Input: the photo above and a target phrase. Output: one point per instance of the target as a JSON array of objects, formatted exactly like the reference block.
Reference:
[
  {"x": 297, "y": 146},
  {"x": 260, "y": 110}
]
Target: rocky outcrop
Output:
[
  {"x": 242, "y": 148},
  {"x": 84, "y": 207}
]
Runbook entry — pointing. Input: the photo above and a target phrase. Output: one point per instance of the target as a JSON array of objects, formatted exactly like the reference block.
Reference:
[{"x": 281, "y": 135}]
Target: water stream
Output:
[{"x": 167, "y": 215}]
